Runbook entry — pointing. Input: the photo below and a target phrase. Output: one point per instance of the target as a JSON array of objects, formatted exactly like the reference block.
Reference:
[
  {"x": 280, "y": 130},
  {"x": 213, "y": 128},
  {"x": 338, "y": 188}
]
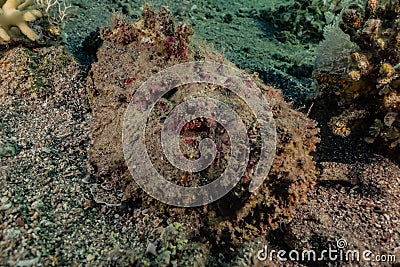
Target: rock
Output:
[
  {"x": 37, "y": 204},
  {"x": 152, "y": 249},
  {"x": 6, "y": 206},
  {"x": 7, "y": 150},
  {"x": 26, "y": 263},
  {"x": 90, "y": 257}
]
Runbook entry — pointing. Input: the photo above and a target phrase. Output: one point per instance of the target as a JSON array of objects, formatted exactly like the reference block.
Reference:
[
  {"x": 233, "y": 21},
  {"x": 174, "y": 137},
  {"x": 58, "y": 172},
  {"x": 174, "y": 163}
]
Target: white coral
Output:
[{"x": 14, "y": 17}]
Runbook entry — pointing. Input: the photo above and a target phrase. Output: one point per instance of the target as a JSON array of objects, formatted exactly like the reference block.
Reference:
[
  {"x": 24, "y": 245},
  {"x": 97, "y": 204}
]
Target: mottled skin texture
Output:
[{"x": 130, "y": 54}]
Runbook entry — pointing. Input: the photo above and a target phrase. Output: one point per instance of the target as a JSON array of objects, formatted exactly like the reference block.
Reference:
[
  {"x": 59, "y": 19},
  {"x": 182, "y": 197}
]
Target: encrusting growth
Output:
[
  {"x": 129, "y": 55},
  {"x": 14, "y": 18}
]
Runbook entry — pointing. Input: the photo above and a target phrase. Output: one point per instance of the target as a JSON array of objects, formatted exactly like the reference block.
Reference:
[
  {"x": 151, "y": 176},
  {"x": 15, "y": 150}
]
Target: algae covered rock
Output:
[
  {"x": 131, "y": 53},
  {"x": 7, "y": 149}
]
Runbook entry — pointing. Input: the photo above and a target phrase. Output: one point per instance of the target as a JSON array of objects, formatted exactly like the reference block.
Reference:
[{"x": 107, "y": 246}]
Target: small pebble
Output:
[
  {"x": 193, "y": 8},
  {"x": 4, "y": 200},
  {"x": 27, "y": 263},
  {"x": 37, "y": 204},
  {"x": 387, "y": 217},
  {"x": 90, "y": 257},
  {"x": 151, "y": 249},
  {"x": 7, "y": 150},
  {"x": 6, "y": 206},
  {"x": 19, "y": 222}
]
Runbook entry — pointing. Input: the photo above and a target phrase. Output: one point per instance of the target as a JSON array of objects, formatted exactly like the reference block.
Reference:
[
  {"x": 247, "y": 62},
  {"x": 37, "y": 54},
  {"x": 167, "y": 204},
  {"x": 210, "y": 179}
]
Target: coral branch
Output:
[{"x": 17, "y": 14}]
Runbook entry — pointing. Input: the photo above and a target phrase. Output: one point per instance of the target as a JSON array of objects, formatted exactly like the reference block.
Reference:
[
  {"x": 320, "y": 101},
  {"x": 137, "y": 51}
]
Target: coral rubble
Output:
[
  {"x": 363, "y": 74},
  {"x": 130, "y": 54}
]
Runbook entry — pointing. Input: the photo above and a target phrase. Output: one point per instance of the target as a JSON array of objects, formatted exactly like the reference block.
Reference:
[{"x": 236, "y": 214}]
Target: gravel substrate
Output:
[
  {"x": 363, "y": 212},
  {"x": 47, "y": 213}
]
